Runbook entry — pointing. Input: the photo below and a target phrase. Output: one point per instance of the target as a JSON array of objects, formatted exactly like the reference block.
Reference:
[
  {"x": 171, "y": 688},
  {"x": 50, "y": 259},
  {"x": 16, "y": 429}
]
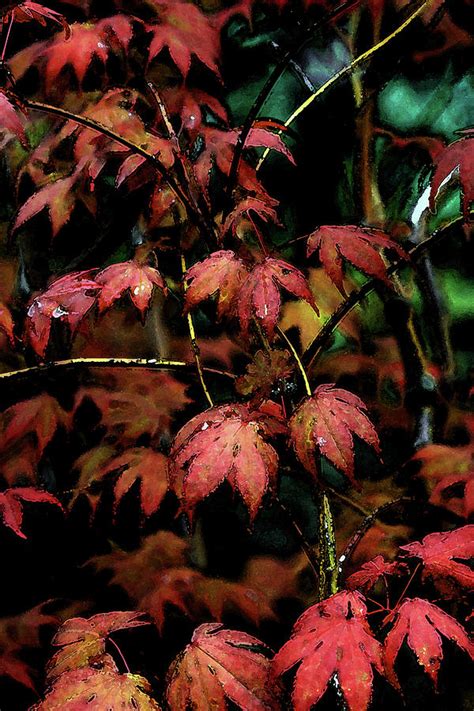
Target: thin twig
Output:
[
  {"x": 307, "y": 549},
  {"x": 366, "y": 524},
  {"x": 347, "y": 70},
  {"x": 194, "y": 343}
]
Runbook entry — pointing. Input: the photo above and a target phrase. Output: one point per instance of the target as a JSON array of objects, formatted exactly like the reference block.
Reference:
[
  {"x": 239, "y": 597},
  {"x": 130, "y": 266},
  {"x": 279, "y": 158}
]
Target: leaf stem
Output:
[
  {"x": 7, "y": 37},
  {"x": 348, "y": 69},
  {"x": 194, "y": 343},
  {"x": 299, "y": 363},
  {"x": 120, "y": 653}
]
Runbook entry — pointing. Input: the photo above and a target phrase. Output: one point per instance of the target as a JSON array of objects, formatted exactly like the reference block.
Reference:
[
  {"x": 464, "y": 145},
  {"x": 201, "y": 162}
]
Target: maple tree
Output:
[{"x": 233, "y": 355}]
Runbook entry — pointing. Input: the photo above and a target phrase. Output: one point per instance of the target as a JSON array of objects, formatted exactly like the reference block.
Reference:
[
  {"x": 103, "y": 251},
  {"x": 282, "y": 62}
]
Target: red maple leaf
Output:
[
  {"x": 135, "y": 464},
  {"x": 198, "y": 596},
  {"x": 241, "y": 213},
  {"x": 87, "y": 42},
  {"x": 188, "y": 102},
  {"x": 332, "y": 637},
  {"x": 68, "y": 299},
  {"x": 420, "y": 623},
  {"x": 10, "y": 116},
  {"x": 326, "y": 422},
  {"x": 370, "y": 573},
  {"x": 219, "y": 148},
  {"x": 11, "y": 505},
  {"x": 458, "y": 156},
  {"x": 222, "y": 664},
  {"x": 360, "y": 246},
  {"x": 265, "y": 369},
  {"x": 104, "y": 688},
  {"x": 225, "y": 443},
  {"x": 185, "y": 31},
  {"x": 28, "y": 10},
  {"x": 6, "y": 323},
  {"x": 137, "y": 279},
  {"x": 247, "y": 292},
  {"x": 442, "y": 555},
  {"x": 82, "y": 641}
]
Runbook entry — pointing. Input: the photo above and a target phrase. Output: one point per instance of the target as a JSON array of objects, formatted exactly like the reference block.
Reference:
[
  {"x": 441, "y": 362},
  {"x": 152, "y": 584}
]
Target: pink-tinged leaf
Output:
[
  {"x": 448, "y": 473},
  {"x": 458, "y": 156},
  {"x": 10, "y": 116},
  {"x": 360, "y": 246},
  {"x": 242, "y": 214},
  {"x": 225, "y": 443},
  {"x": 421, "y": 624},
  {"x": 11, "y": 505},
  {"x": 332, "y": 637},
  {"x": 223, "y": 273},
  {"x": 260, "y": 298},
  {"x": 138, "y": 279},
  {"x": 6, "y": 323},
  {"x": 326, "y": 423},
  {"x": 445, "y": 558},
  {"x": 370, "y": 573},
  {"x": 68, "y": 299},
  {"x": 185, "y": 31},
  {"x": 222, "y": 664},
  {"x": 86, "y": 43},
  {"x": 28, "y": 11}
]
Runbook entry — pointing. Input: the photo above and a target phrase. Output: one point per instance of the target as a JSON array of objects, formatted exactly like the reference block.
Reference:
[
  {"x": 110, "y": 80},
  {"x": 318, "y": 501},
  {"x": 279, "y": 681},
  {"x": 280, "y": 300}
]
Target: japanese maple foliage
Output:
[{"x": 225, "y": 431}]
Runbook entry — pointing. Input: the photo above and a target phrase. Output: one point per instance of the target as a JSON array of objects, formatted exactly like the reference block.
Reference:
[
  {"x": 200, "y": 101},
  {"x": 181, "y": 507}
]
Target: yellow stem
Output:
[
  {"x": 300, "y": 365},
  {"x": 348, "y": 69},
  {"x": 194, "y": 343}
]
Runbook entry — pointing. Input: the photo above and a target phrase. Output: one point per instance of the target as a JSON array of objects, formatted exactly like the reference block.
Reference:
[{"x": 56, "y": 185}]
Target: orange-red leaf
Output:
[
  {"x": 68, "y": 299},
  {"x": 370, "y": 573},
  {"x": 223, "y": 273},
  {"x": 82, "y": 641},
  {"x": 87, "y": 42},
  {"x": 360, "y": 246},
  {"x": 326, "y": 423},
  {"x": 445, "y": 558},
  {"x": 266, "y": 370},
  {"x": 225, "y": 443},
  {"x": 332, "y": 637},
  {"x": 448, "y": 473},
  {"x": 222, "y": 664},
  {"x": 11, "y": 505},
  {"x": 137, "y": 279},
  {"x": 6, "y": 323},
  {"x": 242, "y": 214},
  {"x": 421, "y": 624}
]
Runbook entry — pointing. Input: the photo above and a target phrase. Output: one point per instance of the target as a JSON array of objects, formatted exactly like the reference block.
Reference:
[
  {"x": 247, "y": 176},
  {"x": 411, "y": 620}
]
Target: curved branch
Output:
[
  {"x": 355, "y": 297},
  {"x": 269, "y": 85},
  {"x": 146, "y": 363}
]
